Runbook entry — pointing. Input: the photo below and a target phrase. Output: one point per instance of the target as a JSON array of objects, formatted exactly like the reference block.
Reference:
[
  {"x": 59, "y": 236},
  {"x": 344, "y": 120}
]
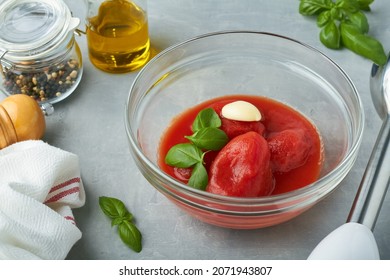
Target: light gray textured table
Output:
[{"x": 90, "y": 123}]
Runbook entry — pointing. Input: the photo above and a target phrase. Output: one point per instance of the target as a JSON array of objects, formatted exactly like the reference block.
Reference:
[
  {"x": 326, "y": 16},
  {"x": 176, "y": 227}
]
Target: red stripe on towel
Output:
[
  {"x": 63, "y": 194},
  {"x": 64, "y": 184},
  {"x": 71, "y": 219}
]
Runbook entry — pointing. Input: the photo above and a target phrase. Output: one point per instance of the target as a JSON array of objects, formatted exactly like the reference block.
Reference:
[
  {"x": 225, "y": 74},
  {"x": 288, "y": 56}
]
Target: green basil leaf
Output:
[
  {"x": 199, "y": 177},
  {"x": 365, "y": 2},
  {"x": 359, "y": 19},
  {"x": 130, "y": 235},
  {"x": 117, "y": 221},
  {"x": 362, "y": 44},
  {"x": 352, "y": 29},
  {"x": 364, "y": 5},
  {"x": 330, "y": 35},
  {"x": 323, "y": 18},
  {"x": 184, "y": 155},
  {"x": 314, "y": 7},
  {"x": 112, "y": 207},
  {"x": 337, "y": 13},
  {"x": 348, "y": 5},
  {"x": 209, "y": 138},
  {"x": 206, "y": 118}
]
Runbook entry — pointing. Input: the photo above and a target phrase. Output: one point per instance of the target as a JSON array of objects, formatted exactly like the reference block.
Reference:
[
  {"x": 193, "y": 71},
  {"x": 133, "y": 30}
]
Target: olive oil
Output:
[{"x": 118, "y": 37}]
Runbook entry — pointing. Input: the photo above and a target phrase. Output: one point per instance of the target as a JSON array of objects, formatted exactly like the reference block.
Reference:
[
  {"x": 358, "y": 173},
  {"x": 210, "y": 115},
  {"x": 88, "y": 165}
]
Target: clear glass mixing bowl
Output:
[{"x": 251, "y": 63}]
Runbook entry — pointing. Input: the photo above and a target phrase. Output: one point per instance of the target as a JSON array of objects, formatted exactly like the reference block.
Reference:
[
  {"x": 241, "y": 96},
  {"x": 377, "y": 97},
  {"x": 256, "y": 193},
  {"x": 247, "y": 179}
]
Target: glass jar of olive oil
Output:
[{"x": 117, "y": 34}]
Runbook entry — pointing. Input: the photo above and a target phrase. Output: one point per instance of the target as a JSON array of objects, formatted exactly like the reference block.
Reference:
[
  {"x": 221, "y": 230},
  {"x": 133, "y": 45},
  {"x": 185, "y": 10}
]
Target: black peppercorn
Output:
[{"x": 42, "y": 85}]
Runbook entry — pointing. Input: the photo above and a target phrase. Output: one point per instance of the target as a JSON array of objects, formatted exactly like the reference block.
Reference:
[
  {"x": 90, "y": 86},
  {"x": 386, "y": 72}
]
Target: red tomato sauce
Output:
[{"x": 276, "y": 117}]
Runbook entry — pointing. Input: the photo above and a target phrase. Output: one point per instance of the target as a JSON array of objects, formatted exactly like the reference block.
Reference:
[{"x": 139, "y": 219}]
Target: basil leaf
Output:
[
  {"x": 323, "y": 18},
  {"x": 353, "y": 25},
  {"x": 314, "y": 7},
  {"x": 112, "y": 207},
  {"x": 364, "y": 4},
  {"x": 359, "y": 19},
  {"x": 348, "y": 5},
  {"x": 209, "y": 138},
  {"x": 117, "y": 221},
  {"x": 337, "y": 13},
  {"x": 355, "y": 5},
  {"x": 184, "y": 155},
  {"x": 330, "y": 35},
  {"x": 206, "y": 118},
  {"x": 128, "y": 232},
  {"x": 126, "y": 217},
  {"x": 199, "y": 177},
  {"x": 361, "y": 44},
  {"x": 130, "y": 235}
]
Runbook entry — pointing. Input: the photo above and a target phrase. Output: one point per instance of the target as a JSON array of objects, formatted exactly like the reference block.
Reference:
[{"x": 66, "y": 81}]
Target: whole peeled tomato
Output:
[
  {"x": 289, "y": 149},
  {"x": 242, "y": 168},
  {"x": 233, "y": 128}
]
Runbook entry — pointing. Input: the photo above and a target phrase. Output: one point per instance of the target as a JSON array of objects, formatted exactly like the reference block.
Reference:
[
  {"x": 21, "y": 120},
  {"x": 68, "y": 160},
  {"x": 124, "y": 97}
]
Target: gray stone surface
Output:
[{"x": 90, "y": 123}]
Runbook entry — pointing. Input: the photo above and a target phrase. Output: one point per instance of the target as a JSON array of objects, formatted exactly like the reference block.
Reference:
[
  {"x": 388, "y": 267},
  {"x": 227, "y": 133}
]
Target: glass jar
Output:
[
  {"x": 39, "y": 55},
  {"x": 118, "y": 34}
]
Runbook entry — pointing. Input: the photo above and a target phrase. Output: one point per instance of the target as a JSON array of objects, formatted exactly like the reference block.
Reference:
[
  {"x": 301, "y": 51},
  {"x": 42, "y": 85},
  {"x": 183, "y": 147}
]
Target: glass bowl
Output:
[{"x": 250, "y": 63}]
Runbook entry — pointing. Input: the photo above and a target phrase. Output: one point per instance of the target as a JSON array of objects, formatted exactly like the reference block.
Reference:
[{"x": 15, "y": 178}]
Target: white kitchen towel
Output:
[{"x": 39, "y": 186}]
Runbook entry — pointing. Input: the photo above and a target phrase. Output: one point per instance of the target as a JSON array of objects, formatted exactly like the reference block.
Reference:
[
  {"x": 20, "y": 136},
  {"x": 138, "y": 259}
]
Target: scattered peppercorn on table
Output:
[{"x": 90, "y": 123}]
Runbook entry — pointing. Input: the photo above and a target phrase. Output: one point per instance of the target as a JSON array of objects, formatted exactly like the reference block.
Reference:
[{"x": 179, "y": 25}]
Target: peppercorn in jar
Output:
[{"x": 39, "y": 55}]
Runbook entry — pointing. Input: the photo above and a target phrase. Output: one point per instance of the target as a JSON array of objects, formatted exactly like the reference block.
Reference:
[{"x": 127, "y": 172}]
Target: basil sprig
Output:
[
  {"x": 207, "y": 136},
  {"x": 343, "y": 23},
  {"x": 184, "y": 155},
  {"x": 121, "y": 217}
]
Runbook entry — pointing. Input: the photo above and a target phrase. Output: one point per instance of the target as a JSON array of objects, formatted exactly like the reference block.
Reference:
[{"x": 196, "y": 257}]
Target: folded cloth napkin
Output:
[{"x": 39, "y": 185}]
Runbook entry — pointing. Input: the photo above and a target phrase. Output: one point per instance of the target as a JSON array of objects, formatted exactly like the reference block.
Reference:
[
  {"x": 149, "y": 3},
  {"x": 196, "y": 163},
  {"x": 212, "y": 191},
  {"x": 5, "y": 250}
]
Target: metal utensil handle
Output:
[{"x": 375, "y": 181}]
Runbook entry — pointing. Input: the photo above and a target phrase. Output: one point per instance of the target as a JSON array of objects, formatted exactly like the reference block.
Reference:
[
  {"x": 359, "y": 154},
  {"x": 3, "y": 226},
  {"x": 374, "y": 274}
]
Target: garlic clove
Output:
[{"x": 241, "y": 111}]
